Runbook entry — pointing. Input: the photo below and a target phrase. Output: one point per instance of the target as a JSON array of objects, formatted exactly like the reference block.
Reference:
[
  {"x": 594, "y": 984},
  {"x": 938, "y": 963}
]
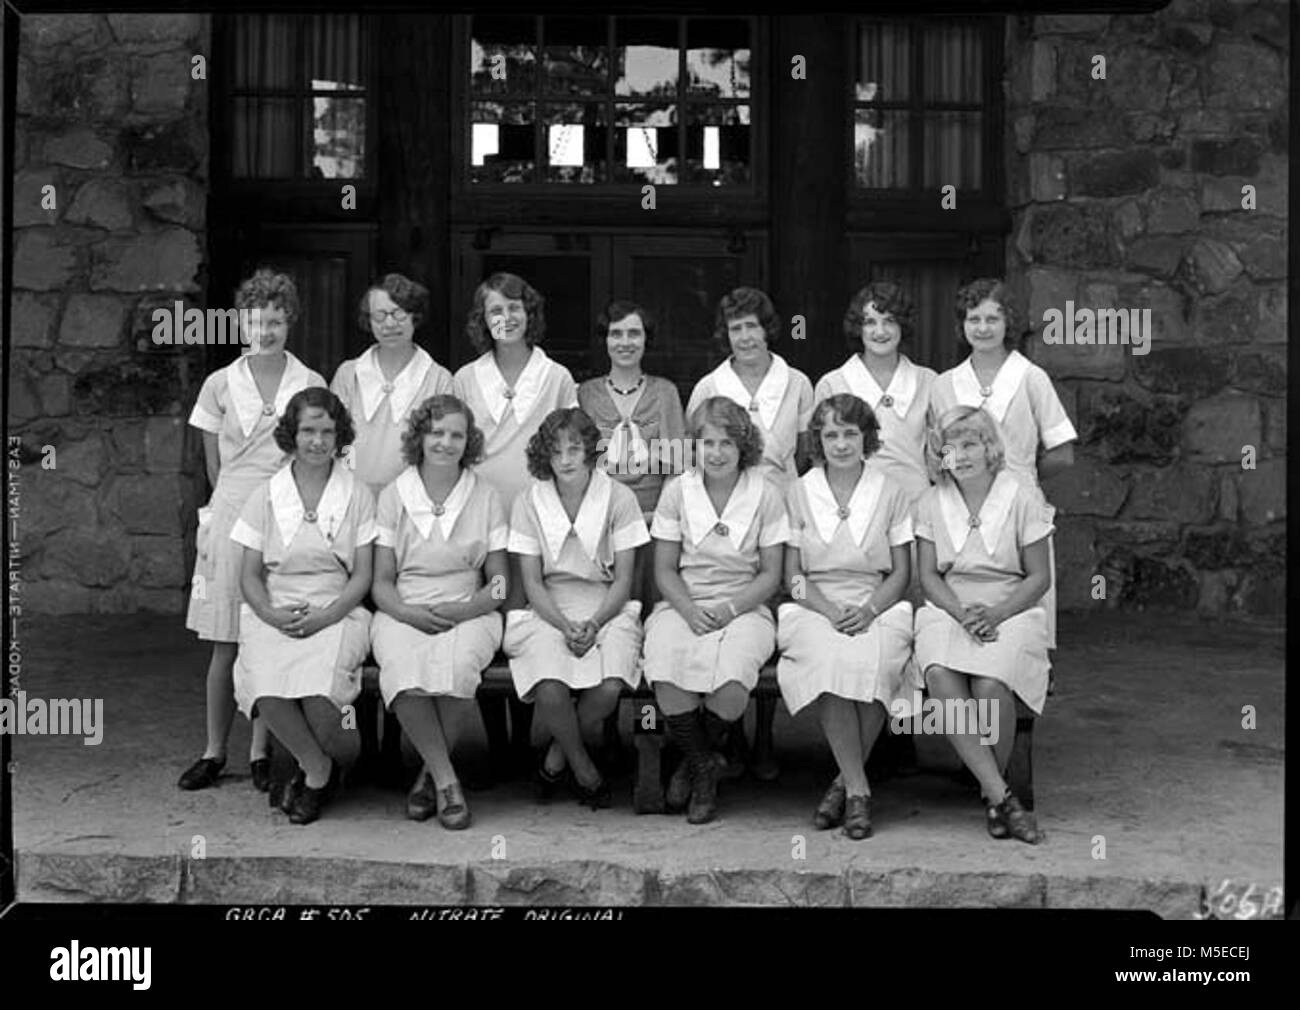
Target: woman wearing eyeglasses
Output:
[{"x": 394, "y": 375}]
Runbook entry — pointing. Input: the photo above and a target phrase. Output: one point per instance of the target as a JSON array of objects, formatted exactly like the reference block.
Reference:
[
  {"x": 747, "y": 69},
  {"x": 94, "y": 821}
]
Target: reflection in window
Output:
[
  {"x": 504, "y": 142},
  {"x": 717, "y": 57},
  {"x": 717, "y": 144},
  {"x": 645, "y": 144},
  {"x": 502, "y": 58},
  {"x": 576, "y": 56},
  {"x": 645, "y": 57}
]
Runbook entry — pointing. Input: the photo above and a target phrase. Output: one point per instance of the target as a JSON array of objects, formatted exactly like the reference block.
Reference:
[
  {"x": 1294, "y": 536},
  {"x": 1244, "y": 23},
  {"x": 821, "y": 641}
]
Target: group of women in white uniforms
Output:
[{"x": 506, "y": 487}]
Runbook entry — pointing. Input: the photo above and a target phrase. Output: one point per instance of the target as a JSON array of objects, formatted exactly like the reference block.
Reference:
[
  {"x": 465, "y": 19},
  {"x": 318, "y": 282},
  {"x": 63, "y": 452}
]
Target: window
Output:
[
  {"x": 924, "y": 106},
  {"x": 298, "y": 97},
  {"x": 609, "y": 101}
]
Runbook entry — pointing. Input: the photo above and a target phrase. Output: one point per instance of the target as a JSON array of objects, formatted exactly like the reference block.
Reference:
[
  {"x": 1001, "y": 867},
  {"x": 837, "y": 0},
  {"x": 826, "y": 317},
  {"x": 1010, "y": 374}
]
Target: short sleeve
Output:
[
  {"x": 667, "y": 522},
  {"x": 775, "y": 528},
  {"x": 498, "y": 526},
  {"x": 1033, "y": 519},
  {"x": 628, "y": 526},
  {"x": 1054, "y": 427},
  {"x": 525, "y": 537},
  {"x": 387, "y": 516},
  {"x": 923, "y": 527},
  {"x": 364, "y": 502},
  {"x": 806, "y": 402},
  {"x": 342, "y": 384},
  {"x": 250, "y": 528},
  {"x": 794, "y": 513},
  {"x": 702, "y": 391},
  {"x": 899, "y": 518},
  {"x": 567, "y": 393},
  {"x": 208, "y": 410}
]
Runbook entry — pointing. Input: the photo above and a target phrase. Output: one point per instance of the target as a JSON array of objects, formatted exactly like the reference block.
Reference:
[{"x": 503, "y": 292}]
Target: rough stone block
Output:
[
  {"x": 1177, "y": 494},
  {"x": 1260, "y": 372},
  {"x": 1042, "y": 71},
  {"x": 162, "y": 601},
  {"x": 1147, "y": 127},
  {"x": 1071, "y": 24},
  {"x": 160, "y": 85},
  {"x": 1191, "y": 37},
  {"x": 1262, "y": 492},
  {"x": 30, "y": 197},
  {"x": 1228, "y": 504},
  {"x": 1058, "y": 128},
  {"x": 136, "y": 387},
  {"x": 317, "y": 881},
  {"x": 1137, "y": 78},
  {"x": 1192, "y": 372},
  {"x": 158, "y": 563},
  {"x": 62, "y": 32},
  {"x": 148, "y": 504},
  {"x": 80, "y": 147},
  {"x": 585, "y": 882},
  {"x": 1069, "y": 235},
  {"x": 99, "y": 877},
  {"x": 916, "y": 888},
  {"x": 1234, "y": 156},
  {"x": 178, "y": 146},
  {"x": 1216, "y": 429},
  {"x": 179, "y": 201},
  {"x": 82, "y": 461},
  {"x": 1271, "y": 320},
  {"x": 1076, "y": 562},
  {"x": 1089, "y": 488},
  {"x": 52, "y": 504},
  {"x": 1049, "y": 289},
  {"x": 91, "y": 557},
  {"x": 1074, "y": 361},
  {"x": 1171, "y": 212},
  {"x": 55, "y": 597},
  {"x": 162, "y": 261},
  {"x": 1114, "y": 173},
  {"x": 1275, "y": 425},
  {"x": 1046, "y": 177},
  {"x": 55, "y": 392},
  {"x": 92, "y": 321},
  {"x": 1158, "y": 255},
  {"x": 137, "y": 28},
  {"x": 1118, "y": 427},
  {"x": 1264, "y": 258},
  {"x": 1245, "y": 75},
  {"x": 1169, "y": 899},
  {"x": 33, "y": 319},
  {"x": 41, "y": 262},
  {"x": 102, "y": 203},
  {"x": 1228, "y": 318},
  {"x": 164, "y": 444},
  {"x": 1213, "y": 264}
]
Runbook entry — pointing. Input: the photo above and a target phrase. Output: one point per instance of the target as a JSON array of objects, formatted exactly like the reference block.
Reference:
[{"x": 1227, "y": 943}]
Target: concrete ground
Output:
[{"x": 1142, "y": 745}]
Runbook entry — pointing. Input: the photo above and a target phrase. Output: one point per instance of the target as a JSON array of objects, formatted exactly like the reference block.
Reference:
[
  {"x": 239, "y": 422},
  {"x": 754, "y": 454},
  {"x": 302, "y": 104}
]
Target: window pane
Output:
[
  {"x": 717, "y": 57},
  {"x": 884, "y": 63},
  {"x": 263, "y": 50},
  {"x": 264, "y": 137},
  {"x": 575, "y": 142},
  {"x": 339, "y": 138},
  {"x": 717, "y": 144},
  {"x": 336, "y": 52},
  {"x": 576, "y": 55},
  {"x": 953, "y": 150},
  {"x": 502, "y": 142},
  {"x": 645, "y": 143},
  {"x": 954, "y": 63},
  {"x": 880, "y": 142},
  {"x": 645, "y": 57},
  {"x": 502, "y": 55}
]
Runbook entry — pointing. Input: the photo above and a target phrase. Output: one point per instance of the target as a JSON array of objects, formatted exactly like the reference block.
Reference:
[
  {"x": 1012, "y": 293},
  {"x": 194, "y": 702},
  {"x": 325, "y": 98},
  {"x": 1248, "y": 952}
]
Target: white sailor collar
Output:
[
  {"x": 401, "y": 392},
  {"x": 825, "y": 512},
  {"x": 590, "y": 523},
  {"x": 771, "y": 391},
  {"x": 992, "y": 516},
  {"x": 902, "y": 385},
  {"x": 699, "y": 518},
  {"x": 966, "y": 385},
  {"x": 247, "y": 400},
  {"x": 290, "y": 513},
  {"x": 420, "y": 507},
  {"x": 526, "y": 390}
]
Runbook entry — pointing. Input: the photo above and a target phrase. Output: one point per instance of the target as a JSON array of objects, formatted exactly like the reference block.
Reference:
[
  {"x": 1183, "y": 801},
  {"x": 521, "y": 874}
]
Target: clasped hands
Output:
[
  {"x": 702, "y": 620},
  {"x": 981, "y": 622},
  {"x": 580, "y": 636},
  {"x": 299, "y": 620}
]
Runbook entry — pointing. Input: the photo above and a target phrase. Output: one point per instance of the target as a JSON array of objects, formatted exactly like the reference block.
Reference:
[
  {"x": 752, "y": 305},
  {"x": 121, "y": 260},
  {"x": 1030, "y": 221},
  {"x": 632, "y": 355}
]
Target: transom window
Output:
[
  {"x": 922, "y": 105},
  {"x": 609, "y": 101},
  {"x": 298, "y": 97}
]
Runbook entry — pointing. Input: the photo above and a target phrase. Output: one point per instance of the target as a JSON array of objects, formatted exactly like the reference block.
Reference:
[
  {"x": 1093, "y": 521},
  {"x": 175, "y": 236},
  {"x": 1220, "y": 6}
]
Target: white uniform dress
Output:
[
  {"x": 308, "y": 558},
  {"x": 846, "y": 557},
  {"x": 900, "y": 409},
  {"x": 981, "y": 564},
  {"x": 719, "y": 559},
  {"x": 1028, "y": 411},
  {"x": 578, "y": 566},
  {"x": 380, "y": 410},
  {"x": 781, "y": 408},
  {"x": 439, "y": 560},
  {"x": 230, "y": 407},
  {"x": 510, "y": 417}
]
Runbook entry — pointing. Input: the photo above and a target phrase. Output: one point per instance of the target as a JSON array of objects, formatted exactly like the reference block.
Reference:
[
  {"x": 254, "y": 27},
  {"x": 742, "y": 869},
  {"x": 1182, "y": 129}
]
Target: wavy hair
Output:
[
  {"x": 410, "y": 296},
  {"x": 844, "y": 408},
  {"x": 621, "y": 308},
  {"x": 732, "y": 418},
  {"x": 743, "y": 302},
  {"x": 509, "y": 286},
  {"x": 269, "y": 287},
  {"x": 421, "y": 421},
  {"x": 994, "y": 289},
  {"x": 286, "y": 429},
  {"x": 889, "y": 299},
  {"x": 546, "y": 441},
  {"x": 961, "y": 420}
]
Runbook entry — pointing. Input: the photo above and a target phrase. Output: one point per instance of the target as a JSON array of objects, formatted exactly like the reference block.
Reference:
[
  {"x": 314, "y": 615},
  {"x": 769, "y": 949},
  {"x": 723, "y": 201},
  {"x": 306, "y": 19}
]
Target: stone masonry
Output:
[
  {"x": 108, "y": 116},
  {"x": 1127, "y": 192}
]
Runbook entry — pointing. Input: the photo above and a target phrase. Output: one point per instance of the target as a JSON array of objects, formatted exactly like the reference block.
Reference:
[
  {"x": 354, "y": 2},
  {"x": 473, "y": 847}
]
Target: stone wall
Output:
[
  {"x": 1127, "y": 192},
  {"x": 108, "y": 115}
]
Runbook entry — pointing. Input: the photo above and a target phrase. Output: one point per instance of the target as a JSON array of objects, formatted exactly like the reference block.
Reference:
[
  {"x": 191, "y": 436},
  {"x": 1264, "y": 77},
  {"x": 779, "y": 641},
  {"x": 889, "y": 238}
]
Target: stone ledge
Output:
[{"x": 166, "y": 879}]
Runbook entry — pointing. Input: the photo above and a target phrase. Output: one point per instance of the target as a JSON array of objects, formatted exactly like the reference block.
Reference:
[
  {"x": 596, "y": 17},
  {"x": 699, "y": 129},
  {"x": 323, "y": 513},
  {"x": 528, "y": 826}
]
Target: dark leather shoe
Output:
[
  {"x": 201, "y": 774},
  {"x": 857, "y": 817},
  {"x": 547, "y": 784},
  {"x": 307, "y": 803},
  {"x": 599, "y": 797},
  {"x": 1020, "y": 823},
  {"x": 704, "y": 795},
  {"x": 261, "y": 769},
  {"x": 678, "y": 793},
  {"x": 830, "y": 811},
  {"x": 422, "y": 801},
  {"x": 282, "y": 792},
  {"x": 453, "y": 811}
]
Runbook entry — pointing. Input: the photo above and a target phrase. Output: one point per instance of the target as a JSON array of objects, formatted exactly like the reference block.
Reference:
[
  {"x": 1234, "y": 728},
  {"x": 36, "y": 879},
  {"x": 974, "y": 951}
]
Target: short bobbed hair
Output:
[
  {"x": 993, "y": 289},
  {"x": 509, "y": 286},
  {"x": 408, "y": 295},
  {"x": 546, "y": 441},
  {"x": 732, "y": 418},
  {"x": 286, "y": 429},
  {"x": 621, "y": 308},
  {"x": 889, "y": 299},
  {"x": 266, "y": 288},
  {"x": 962, "y": 420},
  {"x": 744, "y": 302},
  {"x": 435, "y": 408},
  {"x": 844, "y": 408}
]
